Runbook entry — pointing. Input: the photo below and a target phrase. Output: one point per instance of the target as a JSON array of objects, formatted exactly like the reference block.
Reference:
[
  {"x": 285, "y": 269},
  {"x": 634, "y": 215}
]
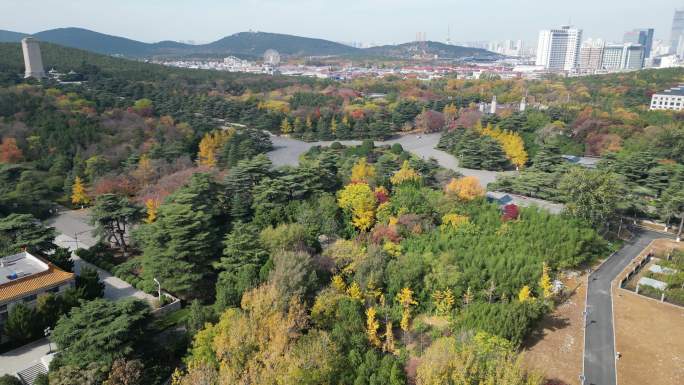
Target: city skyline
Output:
[{"x": 377, "y": 21}]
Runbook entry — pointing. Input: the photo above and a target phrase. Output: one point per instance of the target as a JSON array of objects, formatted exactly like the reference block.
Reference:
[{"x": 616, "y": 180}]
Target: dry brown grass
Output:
[
  {"x": 555, "y": 349},
  {"x": 648, "y": 334}
]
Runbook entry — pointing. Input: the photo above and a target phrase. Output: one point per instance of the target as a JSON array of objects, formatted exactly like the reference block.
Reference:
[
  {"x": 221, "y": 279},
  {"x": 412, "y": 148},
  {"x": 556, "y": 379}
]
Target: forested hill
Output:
[
  {"x": 429, "y": 48},
  {"x": 10, "y": 37},
  {"x": 99, "y": 42},
  {"x": 252, "y": 44},
  {"x": 256, "y": 43},
  {"x": 244, "y": 43},
  {"x": 107, "y": 44},
  {"x": 65, "y": 59}
]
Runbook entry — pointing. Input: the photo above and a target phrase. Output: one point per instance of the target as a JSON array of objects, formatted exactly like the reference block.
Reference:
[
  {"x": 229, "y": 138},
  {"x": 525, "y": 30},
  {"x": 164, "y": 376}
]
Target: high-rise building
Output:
[
  {"x": 641, "y": 36},
  {"x": 633, "y": 57},
  {"x": 558, "y": 49},
  {"x": 33, "y": 60},
  {"x": 623, "y": 57},
  {"x": 677, "y": 34},
  {"x": 612, "y": 57},
  {"x": 591, "y": 56}
]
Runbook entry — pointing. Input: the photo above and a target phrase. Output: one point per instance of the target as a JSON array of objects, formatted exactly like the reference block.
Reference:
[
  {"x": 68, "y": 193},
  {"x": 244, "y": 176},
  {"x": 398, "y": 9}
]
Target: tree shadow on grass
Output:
[{"x": 555, "y": 381}]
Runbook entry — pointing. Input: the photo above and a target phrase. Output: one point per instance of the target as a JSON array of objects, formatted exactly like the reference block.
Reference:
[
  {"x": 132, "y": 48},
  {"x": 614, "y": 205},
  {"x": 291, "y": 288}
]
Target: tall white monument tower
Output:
[
  {"x": 493, "y": 106},
  {"x": 33, "y": 60}
]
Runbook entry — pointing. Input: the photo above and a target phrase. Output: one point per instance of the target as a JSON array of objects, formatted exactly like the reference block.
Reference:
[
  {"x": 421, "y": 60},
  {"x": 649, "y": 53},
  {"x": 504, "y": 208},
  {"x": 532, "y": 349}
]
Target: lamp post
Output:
[{"x": 47, "y": 333}]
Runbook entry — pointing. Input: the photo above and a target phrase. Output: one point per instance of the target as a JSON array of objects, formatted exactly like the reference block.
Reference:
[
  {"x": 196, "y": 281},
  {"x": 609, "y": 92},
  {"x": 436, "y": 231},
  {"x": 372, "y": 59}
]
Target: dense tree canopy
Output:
[
  {"x": 322, "y": 273},
  {"x": 99, "y": 331}
]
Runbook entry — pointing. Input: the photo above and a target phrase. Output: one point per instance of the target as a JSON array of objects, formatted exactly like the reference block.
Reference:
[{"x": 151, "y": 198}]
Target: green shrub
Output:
[
  {"x": 675, "y": 296},
  {"x": 651, "y": 292},
  {"x": 23, "y": 324},
  {"x": 508, "y": 320},
  {"x": 10, "y": 380},
  {"x": 99, "y": 255}
]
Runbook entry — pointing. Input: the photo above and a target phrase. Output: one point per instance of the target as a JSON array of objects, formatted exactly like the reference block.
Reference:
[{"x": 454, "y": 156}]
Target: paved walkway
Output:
[
  {"x": 24, "y": 357},
  {"x": 288, "y": 150},
  {"x": 69, "y": 223},
  {"x": 599, "y": 340},
  {"x": 115, "y": 288}
]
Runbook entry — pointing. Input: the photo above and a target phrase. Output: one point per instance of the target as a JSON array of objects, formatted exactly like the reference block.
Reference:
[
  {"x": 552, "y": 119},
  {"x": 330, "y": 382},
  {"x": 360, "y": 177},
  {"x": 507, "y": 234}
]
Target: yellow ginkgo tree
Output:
[
  {"x": 405, "y": 175},
  {"x": 354, "y": 292},
  {"x": 210, "y": 144},
  {"x": 444, "y": 301},
  {"x": 358, "y": 200},
  {"x": 78, "y": 193},
  {"x": 511, "y": 143},
  {"x": 152, "y": 205},
  {"x": 405, "y": 299},
  {"x": 372, "y": 326},
  {"x": 362, "y": 172},
  {"x": 465, "y": 189}
]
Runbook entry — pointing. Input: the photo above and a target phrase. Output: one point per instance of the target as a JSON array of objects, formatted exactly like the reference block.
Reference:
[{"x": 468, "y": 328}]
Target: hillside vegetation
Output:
[{"x": 363, "y": 265}]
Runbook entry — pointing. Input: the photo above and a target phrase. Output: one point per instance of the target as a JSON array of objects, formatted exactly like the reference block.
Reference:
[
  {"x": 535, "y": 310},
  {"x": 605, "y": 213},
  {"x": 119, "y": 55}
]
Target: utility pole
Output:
[{"x": 76, "y": 237}]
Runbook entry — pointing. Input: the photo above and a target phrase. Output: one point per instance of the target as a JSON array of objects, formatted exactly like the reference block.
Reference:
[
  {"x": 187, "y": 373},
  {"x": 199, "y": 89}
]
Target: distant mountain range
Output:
[{"x": 243, "y": 43}]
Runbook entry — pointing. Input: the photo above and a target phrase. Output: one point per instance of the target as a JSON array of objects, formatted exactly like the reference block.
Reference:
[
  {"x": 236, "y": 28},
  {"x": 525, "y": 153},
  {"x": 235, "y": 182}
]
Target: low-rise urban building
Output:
[
  {"x": 24, "y": 278},
  {"x": 672, "y": 99}
]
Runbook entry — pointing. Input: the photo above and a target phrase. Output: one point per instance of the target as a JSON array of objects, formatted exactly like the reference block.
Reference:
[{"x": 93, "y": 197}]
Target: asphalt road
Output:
[{"x": 599, "y": 341}]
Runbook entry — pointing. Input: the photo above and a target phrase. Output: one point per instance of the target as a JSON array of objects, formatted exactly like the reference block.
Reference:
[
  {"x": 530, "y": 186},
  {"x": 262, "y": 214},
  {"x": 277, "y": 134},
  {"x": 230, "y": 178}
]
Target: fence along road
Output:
[{"x": 599, "y": 335}]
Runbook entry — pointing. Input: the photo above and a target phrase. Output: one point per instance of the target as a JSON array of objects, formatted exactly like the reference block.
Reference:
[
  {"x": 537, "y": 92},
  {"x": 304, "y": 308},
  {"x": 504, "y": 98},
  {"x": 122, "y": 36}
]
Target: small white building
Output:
[
  {"x": 24, "y": 278},
  {"x": 672, "y": 99}
]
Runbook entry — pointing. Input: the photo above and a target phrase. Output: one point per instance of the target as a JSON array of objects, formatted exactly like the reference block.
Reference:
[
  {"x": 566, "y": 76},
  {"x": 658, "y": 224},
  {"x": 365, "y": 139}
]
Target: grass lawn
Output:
[{"x": 170, "y": 320}]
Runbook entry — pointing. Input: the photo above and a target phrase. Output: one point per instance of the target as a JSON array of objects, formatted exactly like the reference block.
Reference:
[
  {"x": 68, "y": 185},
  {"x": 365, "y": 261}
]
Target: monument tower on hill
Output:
[{"x": 33, "y": 60}]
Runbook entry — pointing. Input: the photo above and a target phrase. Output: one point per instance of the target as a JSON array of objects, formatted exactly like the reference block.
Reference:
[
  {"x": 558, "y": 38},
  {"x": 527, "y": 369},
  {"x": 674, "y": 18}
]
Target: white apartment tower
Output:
[
  {"x": 33, "y": 60},
  {"x": 558, "y": 49}
]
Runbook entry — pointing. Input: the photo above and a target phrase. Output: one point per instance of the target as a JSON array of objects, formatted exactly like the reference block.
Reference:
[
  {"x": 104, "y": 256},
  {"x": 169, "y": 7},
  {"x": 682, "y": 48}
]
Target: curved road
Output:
[
  {"x": 599, "y": 340},
  {"x": 288, "y": 150}
]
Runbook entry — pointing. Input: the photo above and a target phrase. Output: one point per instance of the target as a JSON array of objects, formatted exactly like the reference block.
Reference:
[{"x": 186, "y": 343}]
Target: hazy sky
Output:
[{"x": 379, "y": 21}]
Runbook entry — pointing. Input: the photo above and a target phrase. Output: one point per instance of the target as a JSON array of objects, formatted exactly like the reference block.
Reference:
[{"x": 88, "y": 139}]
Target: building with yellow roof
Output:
[{"x": 24, "y": 278}]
